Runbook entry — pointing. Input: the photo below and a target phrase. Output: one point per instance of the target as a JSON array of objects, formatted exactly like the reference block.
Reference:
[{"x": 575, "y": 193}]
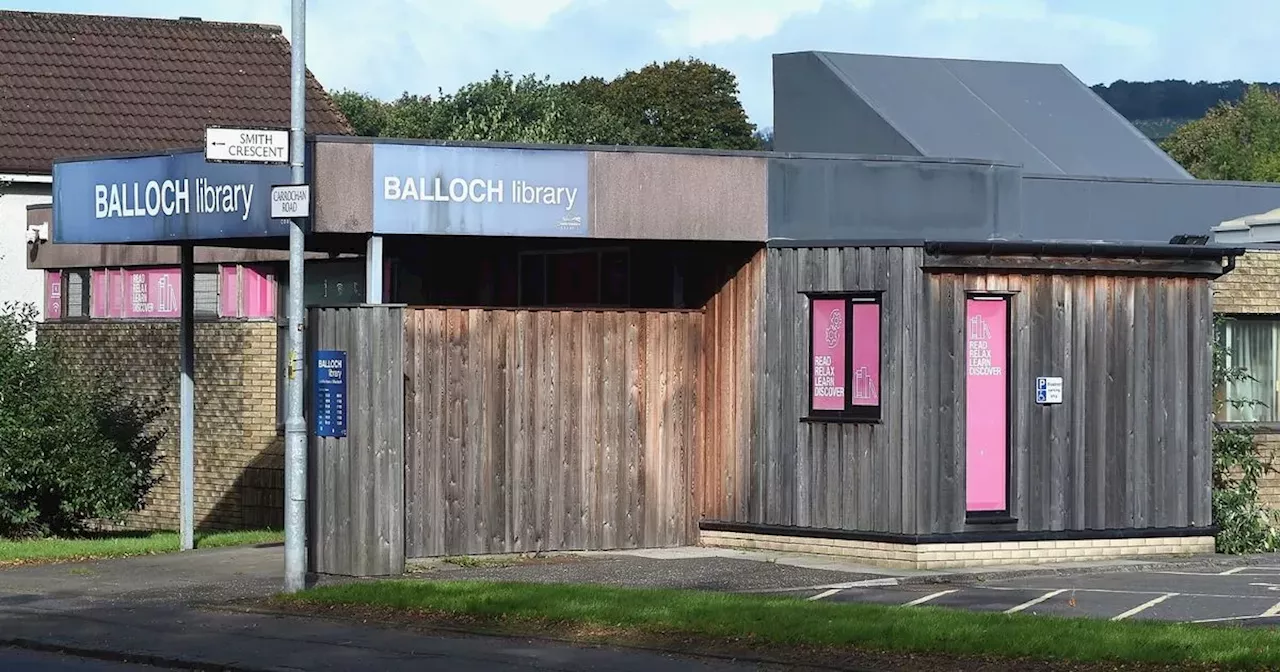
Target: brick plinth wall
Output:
[
  {"x": 979, "y": 554},
  {"x": 239, "y": 456},
  {"x": 1253, "y": 288}
]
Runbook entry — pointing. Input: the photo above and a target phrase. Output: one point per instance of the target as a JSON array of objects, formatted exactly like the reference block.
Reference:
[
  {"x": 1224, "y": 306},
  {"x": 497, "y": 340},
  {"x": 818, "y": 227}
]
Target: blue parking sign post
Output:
[{"x": 330, "y": 393}]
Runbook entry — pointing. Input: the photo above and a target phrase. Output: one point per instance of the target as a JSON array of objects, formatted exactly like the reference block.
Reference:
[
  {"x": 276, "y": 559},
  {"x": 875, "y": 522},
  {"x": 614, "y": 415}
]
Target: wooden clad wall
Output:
[
  {"x": 732, "y": 333},
  {"x": 827, "y": 475},
  {"x": 356, "y": 482},
  {"x": 1129, "y": 445},
  {"x": 550, "y": 430}
]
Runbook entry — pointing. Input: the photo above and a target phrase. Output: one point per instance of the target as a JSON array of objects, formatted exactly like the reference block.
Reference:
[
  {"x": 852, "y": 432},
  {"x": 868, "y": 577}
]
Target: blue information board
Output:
[{"x": 330, "y": 393}]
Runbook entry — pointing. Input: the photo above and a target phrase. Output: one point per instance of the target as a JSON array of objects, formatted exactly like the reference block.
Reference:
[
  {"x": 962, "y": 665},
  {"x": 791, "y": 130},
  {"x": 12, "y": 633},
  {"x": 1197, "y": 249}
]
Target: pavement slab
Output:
[{"x": 701, "y": 573}]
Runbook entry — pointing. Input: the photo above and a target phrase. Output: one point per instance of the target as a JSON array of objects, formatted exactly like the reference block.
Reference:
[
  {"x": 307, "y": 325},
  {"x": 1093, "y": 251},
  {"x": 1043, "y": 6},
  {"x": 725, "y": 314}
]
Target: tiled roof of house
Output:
[{"x": 80, "y": 85}]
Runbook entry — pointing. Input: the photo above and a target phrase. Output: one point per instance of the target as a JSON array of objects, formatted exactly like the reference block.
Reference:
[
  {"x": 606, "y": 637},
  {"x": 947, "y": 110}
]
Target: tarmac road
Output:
[
  {"x": 1240, "y": 596},
  {"x": 18, "y": 660}
]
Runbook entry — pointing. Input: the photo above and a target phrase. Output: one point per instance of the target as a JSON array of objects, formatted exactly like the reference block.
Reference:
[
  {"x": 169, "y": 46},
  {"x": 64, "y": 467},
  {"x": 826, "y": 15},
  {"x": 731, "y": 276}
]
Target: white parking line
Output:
[
  {"x": 1233, "y": 570},
  {"x": 865, "y": 583},
  {"x": 1031, "y": 603},
  {"x": 930, "y": 597},
  {"x": 1273, "y": 611},
  {"x": 823, "y": 595},
  {"x": 1143, "y": 607}
]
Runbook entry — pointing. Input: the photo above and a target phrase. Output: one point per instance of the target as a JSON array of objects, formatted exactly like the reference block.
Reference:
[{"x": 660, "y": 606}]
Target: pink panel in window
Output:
[
  {"x": 152, "y": 293},
  {"x": 99, "y": 292},
  {"x": 827, "y": 373},
  {"x": 986, "y": 428},
  {"x": 115, "y": 303},
  {"x": 230, "y": 292},
  {"x": 866, "y": 354},
  {"x": 259, "y": 293},
  {"x": 53, "y": 295}
]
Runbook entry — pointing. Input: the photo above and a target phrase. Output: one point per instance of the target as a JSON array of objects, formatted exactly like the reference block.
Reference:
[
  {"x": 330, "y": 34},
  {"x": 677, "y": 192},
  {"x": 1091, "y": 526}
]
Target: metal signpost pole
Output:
[
  {"x": 295, "y": 456},
  {"x": 187, "y": 400}
]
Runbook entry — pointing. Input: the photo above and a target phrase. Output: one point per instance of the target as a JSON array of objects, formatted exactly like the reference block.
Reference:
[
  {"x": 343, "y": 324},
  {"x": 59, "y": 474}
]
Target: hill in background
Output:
[{"x": 1157, "y": 108}]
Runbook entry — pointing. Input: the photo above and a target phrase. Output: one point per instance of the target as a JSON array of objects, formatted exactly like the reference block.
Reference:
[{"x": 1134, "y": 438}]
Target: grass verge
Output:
[
  {"x": 778, "y": 624},
  {"x": 119, "y": 545}
]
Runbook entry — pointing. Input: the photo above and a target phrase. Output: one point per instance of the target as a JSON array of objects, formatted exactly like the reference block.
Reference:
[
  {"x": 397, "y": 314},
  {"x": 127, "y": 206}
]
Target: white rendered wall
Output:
[{"x": 17, "y": 283}]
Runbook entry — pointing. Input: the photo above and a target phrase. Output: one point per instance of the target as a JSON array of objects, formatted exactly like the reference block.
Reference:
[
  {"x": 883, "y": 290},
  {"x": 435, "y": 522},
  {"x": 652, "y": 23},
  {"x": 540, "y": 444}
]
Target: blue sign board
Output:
[
  {"x": 170, "y": 197},
  {"x": 479, "y": 191},
  {"x": 330, "y": 393}
]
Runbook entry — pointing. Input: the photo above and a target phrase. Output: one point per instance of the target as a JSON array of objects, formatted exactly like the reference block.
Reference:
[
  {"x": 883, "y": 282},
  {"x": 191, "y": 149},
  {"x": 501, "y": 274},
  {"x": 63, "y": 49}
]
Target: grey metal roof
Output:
[{"x": 1036, "y": 115}]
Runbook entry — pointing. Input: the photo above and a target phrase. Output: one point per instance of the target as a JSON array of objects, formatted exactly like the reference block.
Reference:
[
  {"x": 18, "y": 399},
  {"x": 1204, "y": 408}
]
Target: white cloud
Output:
[
  {"x": 385, "y": 47},
  {"x": 1035, "y": 16},
  {"x": 520, "y": 14},
  {"x": 701, "y": 23}
]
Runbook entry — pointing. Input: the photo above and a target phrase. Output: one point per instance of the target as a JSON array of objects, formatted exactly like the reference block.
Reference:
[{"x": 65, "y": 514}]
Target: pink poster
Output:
[
  {"x": 828, "y": 354},
  {"x": 230, "y": 291},
  {"x": 259, "y": 293},
  {"x": 99, "y": 292},
  {"x": 152, "y": 293},
  {"x": 53, "y": 295},
  {"x": 115, "y": 302},
  {"x": 986, "y": 429},
  {"x": 866, "y": 353}
]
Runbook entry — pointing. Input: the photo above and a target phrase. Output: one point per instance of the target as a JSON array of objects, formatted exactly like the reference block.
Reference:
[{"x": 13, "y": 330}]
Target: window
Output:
[
  {"x": 1251, "y": 344},
  {"x": 77, "y": 296},
  {"x": 986, "y": 346},
  {"x": 575, "y": 278},
  {"x": 844, "y": 362}
]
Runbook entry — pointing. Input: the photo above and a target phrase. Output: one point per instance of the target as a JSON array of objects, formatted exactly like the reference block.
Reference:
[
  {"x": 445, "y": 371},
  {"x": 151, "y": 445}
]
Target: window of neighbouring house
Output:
[
  {"x": 151, "y": 293},
  {"x": 53, "y": 295},
  {"x": 1253, "y": 345},
  {"x": 77, "y": 295},
  {"x": 844, "y": 362}
]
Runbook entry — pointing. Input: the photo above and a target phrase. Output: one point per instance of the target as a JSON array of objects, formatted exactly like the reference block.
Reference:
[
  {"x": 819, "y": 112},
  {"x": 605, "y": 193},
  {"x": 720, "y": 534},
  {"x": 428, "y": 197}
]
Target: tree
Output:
[
  {"x": 1234, "y": 141},
  {"x": 72, "y": 450},
  {"x": 368, "y": 115},
  {"x": 680, "y": 103},
  {"x": 530, "y": 109},
  {"x": 676, "y": 104}
]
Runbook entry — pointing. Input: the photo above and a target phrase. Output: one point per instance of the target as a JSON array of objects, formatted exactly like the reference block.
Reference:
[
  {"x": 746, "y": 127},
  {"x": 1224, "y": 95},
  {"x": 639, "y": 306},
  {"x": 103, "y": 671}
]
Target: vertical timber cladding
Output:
[
  {"x": 732, "y": 334},
  {"x": 847, "y": 475},
  {"x": 1128, "y": 447},
  {"x": 550, "y": 430},
  {"x": 356, "y": 480}
]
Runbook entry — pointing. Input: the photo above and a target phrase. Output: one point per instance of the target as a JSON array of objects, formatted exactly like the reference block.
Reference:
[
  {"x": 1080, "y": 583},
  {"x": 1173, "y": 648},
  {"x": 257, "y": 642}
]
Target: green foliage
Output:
[
  {"x": 680, "y": 103},
  {"x": 676, "y": 104},
  {"x": 1170, "y": 98},
  {"x": 1234, "y": 141},
  {"x": 1245, "y": 526},
  {"x": 72, "y": 450},
  {"x": 368, "y": 115}
]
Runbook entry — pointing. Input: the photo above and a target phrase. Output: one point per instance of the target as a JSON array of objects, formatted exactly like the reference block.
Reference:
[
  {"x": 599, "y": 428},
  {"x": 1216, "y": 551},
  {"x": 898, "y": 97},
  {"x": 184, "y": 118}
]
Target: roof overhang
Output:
[{"x": 25, "y": 178}]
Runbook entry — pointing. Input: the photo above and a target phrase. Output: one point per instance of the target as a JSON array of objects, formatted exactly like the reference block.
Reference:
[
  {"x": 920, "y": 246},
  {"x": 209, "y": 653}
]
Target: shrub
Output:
[{"x": 73, "y": 450}]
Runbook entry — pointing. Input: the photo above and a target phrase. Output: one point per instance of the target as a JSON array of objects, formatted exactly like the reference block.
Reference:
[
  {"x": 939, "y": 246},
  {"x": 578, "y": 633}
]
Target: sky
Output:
[{"x": 386, "y": 47}]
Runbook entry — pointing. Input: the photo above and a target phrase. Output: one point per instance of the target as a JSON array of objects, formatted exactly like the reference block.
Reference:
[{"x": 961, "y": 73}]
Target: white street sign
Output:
[
  {"x": 290, "y": 201},
  {"x": 246, "y": 145}
]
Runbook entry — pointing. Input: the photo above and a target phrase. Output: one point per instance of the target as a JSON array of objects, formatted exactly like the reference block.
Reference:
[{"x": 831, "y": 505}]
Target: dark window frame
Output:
[{"x": 850, "y": 413}]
